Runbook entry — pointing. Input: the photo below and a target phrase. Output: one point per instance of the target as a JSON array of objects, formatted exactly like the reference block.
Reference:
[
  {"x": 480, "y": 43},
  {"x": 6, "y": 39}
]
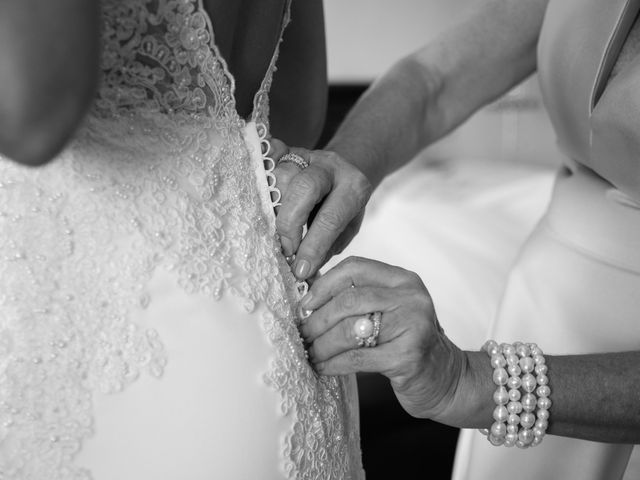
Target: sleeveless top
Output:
[
  {"x": 164, "y": 174},
  {"x": 597, "y": 128}
]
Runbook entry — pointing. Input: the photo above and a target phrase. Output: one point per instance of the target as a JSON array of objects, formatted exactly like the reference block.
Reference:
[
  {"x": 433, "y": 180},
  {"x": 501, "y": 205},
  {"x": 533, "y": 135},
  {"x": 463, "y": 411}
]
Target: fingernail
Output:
[
  {"x": 306, "y": 300},
  {"x": 287, "y": 246},
  {"x": 302, "y": 269},
  {"x": 304, "y": 314}
]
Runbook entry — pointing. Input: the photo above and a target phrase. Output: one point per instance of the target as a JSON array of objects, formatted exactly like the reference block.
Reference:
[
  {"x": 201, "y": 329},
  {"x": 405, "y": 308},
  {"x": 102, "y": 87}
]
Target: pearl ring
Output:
[{"x": 367, "y": 329}]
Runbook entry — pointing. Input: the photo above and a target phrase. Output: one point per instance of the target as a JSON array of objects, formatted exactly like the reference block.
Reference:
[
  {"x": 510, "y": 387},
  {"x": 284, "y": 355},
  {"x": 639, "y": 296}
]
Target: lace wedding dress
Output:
[{"x": 147, "y": 326}]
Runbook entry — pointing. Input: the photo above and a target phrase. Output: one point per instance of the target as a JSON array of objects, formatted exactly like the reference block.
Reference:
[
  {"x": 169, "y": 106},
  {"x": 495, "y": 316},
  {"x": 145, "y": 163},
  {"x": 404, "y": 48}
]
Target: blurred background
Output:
[{"x": 457, "y": 214}]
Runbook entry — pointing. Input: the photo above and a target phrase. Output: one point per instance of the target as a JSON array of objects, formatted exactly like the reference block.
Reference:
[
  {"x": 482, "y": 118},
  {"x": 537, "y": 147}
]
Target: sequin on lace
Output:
[{"x": 159, "y": 177}]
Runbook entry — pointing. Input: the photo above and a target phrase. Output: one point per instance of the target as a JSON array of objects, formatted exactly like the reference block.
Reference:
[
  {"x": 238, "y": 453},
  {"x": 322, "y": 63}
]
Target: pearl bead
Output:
[
  {"x": 363, "y": 327},
  {"x": 525, "y": 436},
  {"x": 514, "y": 395},
  {"x": 542, "y": 379},
  {"x": 513, "y": 359},
  {"x": 538, "y": 432},
  {"x": 544, "y": 403},
  {"x": 543, "y": 391},
  {"x": 514, "y": 370},
  {"x": 514, "y": 383},
  {"x": 529, "y": 382},
  {"x": 510, "y": 439},
  {"x": 498, "y": 429},
  {"x": 501, "y": 396},
  {"x": 513, "y": 419},
  {"x": 527, "y": 420},
  {"x": 529, "y": 402},
  {"x": 500, "y": 376},
  {"x": 489, "y": 344},
  {"x": 541, "y": 369},
  {"x": 514, "y": 407},
  {"x": 542, "y": 424},
  {"x": 496, "y": 441},
  {"x": 500, "y": 413},
  {"x": 542, "y": 414},
  {"x": 498, "y": 361},
  {"x": 522, "y": 350},
  {"x": 521, "y": 444},
  {"x": 513, "y": 428},
  {"x": 527, "y": 365},
  {"x": 539, "y": 359},
  {"x": 508, "y": 349}
]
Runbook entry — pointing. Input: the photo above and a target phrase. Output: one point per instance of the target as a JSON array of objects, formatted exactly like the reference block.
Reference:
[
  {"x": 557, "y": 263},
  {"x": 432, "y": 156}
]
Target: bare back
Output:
[{"x": 247, "y": 32}]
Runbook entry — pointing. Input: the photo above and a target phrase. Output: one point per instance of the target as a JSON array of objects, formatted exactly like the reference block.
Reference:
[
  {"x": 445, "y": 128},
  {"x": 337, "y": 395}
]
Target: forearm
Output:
[
  {"x": 429, "y": 93},
  {"x": 49, "y": 52},
  {"x": 595, "y": 397}
]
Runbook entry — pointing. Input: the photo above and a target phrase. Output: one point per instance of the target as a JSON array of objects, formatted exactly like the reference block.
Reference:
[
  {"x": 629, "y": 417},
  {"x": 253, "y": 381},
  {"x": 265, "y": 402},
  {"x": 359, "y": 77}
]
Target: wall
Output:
[{"x": 364, "y": 37}]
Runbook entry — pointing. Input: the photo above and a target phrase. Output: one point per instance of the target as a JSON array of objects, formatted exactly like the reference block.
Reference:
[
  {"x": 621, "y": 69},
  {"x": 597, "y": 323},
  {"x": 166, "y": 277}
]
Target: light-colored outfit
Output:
[
  {"x": 575, "y": 286},
  {"x": 147, "y": 326}
]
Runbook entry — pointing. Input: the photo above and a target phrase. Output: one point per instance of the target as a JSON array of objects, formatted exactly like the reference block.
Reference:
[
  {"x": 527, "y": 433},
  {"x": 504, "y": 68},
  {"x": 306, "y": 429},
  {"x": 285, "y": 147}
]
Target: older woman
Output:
[{"x": 574, "y": 289}]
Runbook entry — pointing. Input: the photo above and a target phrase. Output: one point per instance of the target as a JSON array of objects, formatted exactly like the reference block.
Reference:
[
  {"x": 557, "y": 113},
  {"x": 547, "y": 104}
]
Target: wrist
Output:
[{"x": 470, "y": 405}]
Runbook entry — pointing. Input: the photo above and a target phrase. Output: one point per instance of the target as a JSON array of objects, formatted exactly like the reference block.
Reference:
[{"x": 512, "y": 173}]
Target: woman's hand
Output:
[
  {"x": 329, "y": 196},
  {"x": 425, "y": 368}
]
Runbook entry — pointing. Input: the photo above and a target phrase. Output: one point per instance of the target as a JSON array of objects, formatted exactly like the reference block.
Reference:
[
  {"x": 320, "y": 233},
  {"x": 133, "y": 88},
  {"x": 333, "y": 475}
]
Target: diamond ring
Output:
[{"x": 296, "y": 159}]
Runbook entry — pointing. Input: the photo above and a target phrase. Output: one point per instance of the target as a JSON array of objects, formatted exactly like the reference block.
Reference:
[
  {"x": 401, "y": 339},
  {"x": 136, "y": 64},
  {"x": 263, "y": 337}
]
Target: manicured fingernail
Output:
[
  {"x": 287, "y": 246},
  {"x": 302, "y": 269},
  {"x": 304, "y": 314},
  {"x": 306, "y": 300}
]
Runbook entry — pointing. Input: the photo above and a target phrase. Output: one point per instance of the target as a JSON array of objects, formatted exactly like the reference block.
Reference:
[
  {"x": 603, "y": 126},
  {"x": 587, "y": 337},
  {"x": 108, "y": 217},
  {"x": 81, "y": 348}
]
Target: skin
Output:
[
  {"x": 49, "y": 58},
  {"x": 442, "y": 84},
  {"x": 49, "y": 77},
  {"x": 594, "y": 396}
]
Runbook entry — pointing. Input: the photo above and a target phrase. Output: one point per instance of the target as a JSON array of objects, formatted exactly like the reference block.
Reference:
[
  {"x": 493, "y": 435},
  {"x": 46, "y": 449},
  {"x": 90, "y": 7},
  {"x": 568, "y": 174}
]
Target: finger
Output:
[
  {"x": 304, "y": 190},
  {"x": 343, "y": 336},
  {"x": 352, "y": 271},
  {"x": 283, "y": 172},
  {"x": 277, "y": 148},
  {"x": 337, "y": 211},
  {"x": 377, "y": 359},
  {"x": 351, "y": 302}
]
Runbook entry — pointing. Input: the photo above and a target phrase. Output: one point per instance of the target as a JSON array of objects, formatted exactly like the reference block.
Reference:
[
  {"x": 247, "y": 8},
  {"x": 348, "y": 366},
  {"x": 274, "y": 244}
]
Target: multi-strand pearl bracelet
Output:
[{"x": 522, "y": 397}]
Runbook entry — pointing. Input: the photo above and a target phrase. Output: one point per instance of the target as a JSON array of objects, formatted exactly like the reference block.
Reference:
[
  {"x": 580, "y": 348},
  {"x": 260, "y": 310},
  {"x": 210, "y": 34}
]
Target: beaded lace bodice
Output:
[{"x": 159, "y": 177}]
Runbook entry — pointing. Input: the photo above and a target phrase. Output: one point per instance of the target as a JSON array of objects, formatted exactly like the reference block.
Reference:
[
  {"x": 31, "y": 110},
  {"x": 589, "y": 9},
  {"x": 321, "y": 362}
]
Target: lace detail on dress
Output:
[{"x": 159, "y": 177}]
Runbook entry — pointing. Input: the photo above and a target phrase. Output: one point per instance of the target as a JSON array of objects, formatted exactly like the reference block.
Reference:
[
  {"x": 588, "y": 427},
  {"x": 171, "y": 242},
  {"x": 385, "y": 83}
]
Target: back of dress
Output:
[{"x": 147, "y": 324}]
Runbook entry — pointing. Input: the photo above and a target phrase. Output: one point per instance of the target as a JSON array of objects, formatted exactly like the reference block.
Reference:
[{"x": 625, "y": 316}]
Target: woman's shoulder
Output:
[{"x": 49, "y": 57}]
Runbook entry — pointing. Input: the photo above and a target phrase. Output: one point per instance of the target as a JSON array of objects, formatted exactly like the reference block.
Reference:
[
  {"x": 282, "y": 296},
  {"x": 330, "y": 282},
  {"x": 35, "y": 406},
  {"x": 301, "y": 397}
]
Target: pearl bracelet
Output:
[{"x": 520, "y": 373}]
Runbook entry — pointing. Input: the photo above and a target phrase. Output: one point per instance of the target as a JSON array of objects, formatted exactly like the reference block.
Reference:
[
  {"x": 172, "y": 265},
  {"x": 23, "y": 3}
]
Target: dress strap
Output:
[{"x": 260, "y": 113}]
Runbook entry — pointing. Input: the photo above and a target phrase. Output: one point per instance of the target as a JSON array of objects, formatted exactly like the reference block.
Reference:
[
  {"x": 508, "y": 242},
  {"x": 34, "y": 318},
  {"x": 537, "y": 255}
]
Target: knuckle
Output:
[
  {"x": 302, "y": 185},
  {"x": 284, "y": 223},
  {"x": 353, "y": 261},
  {"x": 330, "y": 219},
  {"x": 348, "y": 299}
]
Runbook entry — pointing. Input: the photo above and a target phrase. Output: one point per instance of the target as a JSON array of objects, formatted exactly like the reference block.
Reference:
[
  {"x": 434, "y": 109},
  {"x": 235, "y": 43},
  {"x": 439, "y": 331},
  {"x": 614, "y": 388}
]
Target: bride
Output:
[{"x": 147, "y": 326}]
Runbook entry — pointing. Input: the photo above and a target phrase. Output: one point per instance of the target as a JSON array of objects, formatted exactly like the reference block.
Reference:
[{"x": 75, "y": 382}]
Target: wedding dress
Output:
[{"x": 147, "y": 326}]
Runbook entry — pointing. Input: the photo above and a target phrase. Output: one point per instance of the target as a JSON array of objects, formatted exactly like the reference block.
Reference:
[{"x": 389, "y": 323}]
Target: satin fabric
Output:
[{"x": 574, "y": 287}]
